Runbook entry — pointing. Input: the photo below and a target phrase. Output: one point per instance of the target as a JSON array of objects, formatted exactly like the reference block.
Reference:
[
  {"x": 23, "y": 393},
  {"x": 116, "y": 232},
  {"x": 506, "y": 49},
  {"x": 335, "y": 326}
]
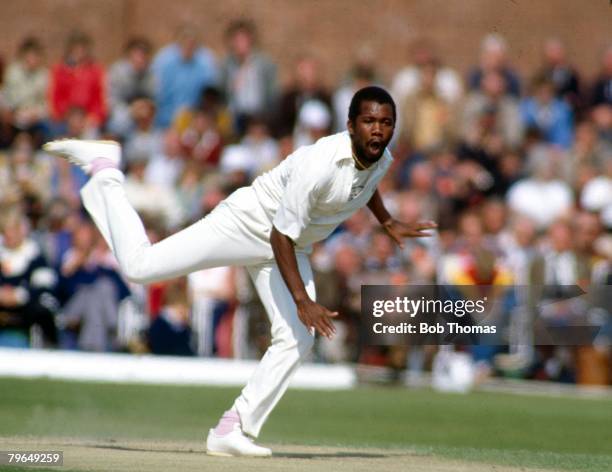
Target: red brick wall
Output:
[{"x": 332, "y": 29}]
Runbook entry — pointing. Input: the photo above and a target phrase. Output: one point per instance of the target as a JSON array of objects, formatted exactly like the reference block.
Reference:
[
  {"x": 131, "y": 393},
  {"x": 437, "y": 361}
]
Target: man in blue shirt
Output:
[{"x": 182, "y": 70}]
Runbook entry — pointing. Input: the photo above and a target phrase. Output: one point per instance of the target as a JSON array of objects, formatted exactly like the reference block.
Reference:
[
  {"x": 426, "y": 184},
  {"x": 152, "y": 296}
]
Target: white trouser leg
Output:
[
  {"x": 217, "y": 240},
  {"x": 291, "y": 342}
]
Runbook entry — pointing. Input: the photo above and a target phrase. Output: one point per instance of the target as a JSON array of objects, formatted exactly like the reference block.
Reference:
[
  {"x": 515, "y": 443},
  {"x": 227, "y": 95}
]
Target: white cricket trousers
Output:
[{"x": 234, "y": 233}]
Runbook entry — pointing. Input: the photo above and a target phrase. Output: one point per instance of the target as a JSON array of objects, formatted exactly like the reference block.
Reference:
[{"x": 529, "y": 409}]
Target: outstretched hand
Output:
[
  {"x": 399, "y": 230},
  {"x": 317, "y": 316}
]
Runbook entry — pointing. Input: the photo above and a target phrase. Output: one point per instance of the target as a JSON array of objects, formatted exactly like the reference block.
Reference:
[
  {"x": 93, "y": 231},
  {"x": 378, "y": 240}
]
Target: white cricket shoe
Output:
[
  {"x": 82, "y": 152},
  {"x": 235, "y": 443}
]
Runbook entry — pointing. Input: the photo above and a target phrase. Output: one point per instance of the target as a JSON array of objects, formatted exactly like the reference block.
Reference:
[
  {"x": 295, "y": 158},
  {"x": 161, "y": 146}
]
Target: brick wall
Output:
[{"x": 332, "y": 29}]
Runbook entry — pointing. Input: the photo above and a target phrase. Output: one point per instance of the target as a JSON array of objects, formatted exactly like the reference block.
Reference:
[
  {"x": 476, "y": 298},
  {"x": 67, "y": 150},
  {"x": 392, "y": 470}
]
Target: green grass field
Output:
[{"x": 517, "y": 430}]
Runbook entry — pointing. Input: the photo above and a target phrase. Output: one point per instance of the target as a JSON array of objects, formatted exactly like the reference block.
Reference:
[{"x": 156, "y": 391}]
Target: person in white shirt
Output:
[{"x": 269, "y": 227}]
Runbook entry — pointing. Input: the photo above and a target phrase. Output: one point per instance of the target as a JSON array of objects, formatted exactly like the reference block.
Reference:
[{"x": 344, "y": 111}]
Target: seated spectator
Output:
[
  {"x": 170, "y": 333},
  {"x": 601, "y": 116},
  {"x": 557, "y": 69},
  {"x": 128, "y": 79},
  {"x": 144, "y": 140},
  {"x": 164, "y": 207},
  {"x": 91, "y": 289},
  {"x": 428, "y": 119},
  {"x": 25, "y": 88},
  {"x": 596, "y": 195},
  {"x": 248, "y": 76},
  {"x": 182, "y": 71},
  {"x": 78, "y": 81},
  {"x": 166, "y": 165},
  {"x": 384, "y": 255},
  {"x": 201, "y": 141},
  {"x": 68, "y": 180},
  {"x": 307, "y": 85},
  {"x": 24, "y": 175},
  {"x": 213, "y": 294},
  {"x": 55, "y": 230},
  {"x": 493, "y": 58},
  {"x": 340, "y": 290},
  {"x": 27, "y": 283},
  {"x": 190, "y": 190},
  {"x": 551, "y": 116},
  {"x": 446, "y": 83},
  {"x": 601, "y": 93},
  {"x": 586, "y": 157},
  {"x": 491, "y": 111},
  {"x": 261, "y": 145},
  {"x": 542, "y": 196},
  {"x": 361, "y": 75},
  {"x": 355, "y": 233},
  {"x": 237, "y": 166},
  {"x": 314, "y": 122}
]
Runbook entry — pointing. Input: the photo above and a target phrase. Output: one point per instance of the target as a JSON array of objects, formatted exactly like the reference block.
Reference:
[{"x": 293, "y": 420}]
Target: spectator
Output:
[
  {"x": 144, "y": 140},
  {"x": 182, "y": 71},
  {"x": 361, "y": 76},
  {"x": 489, "y": 111},
  {"x": 356, "y": 232},
  {"x": 556, "y": 68},
  {"x": 587, "y": 156},
  {"x": 78, "y": 81},
  {"x": 165, "y": 207},
  {"x": 27, "y": 283},
  {"x": 261, "y": 145},
  {"x": 213, "y": 296},
  {"x": 91, "y": 290},
  {"x": 166, "y": 165},
  {"x": 25, "y": 175},
  {"x": 238, "y": 166},
  {"x": 445, "y": 83},
  {"x": 128, "y": 79},
  {"x": 597, "y": 194},
  {"x": 307, "y": 85},
  {"x": 314, "y": 122},
  {"x": 493, "y": 58},
  {"x": 170, "y": 333},
  {"x": 542, "y": 196},
  {"x": 55, "y": 230},
  {"x": 428, "y": 119},
  {"x": 25, "y": 87},
  {"x": 601, "y": 116},
  {"x": 191, "y": 190},
  {"x": 248, "y": 76},
  {"x": 551, "y": 116},
  {"x": 602, "y": 88},
  {"x": 201, "y": 141}
]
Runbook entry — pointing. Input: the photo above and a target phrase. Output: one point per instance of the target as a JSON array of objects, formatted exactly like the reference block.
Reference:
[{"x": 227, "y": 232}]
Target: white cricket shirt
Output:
[{"x": 316, "y": 188}]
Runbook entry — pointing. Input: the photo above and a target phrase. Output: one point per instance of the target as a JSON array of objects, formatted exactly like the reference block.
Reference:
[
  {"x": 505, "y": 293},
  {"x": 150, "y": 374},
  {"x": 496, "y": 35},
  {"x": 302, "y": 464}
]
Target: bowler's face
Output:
[{"x": 372, "y": 130}]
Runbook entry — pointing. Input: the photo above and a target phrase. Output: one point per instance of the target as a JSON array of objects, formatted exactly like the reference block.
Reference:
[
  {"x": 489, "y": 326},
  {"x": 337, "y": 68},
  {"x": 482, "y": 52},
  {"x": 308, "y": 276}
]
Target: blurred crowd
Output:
[{"x": 516, "y": 168}]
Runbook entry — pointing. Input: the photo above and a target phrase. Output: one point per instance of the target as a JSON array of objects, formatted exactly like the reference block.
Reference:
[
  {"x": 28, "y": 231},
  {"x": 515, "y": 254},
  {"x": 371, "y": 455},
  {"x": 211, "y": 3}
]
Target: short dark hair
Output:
[
  {"x": 140, "y": 43},
  {"x": 244, "y": 25},
  {"x": 371, "y": 93},
  {"x": 29, "y": 44}
]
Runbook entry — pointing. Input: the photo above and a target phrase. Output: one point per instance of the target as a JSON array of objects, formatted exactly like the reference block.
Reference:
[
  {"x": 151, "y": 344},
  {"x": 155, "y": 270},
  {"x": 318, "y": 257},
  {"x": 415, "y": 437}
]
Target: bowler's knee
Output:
[
  {"x": 297, "y": 341},
  {"x": 304, "y": 343},
  {"x": 135, "y": 270}
]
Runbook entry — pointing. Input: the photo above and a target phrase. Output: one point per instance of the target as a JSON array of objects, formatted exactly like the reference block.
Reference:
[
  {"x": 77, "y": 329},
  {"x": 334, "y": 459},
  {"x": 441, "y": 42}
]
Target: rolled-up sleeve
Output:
[{"x": 299, "y": 198}]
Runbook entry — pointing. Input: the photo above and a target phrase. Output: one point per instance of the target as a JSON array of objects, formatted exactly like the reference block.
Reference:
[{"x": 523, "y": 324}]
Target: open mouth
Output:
[{"x": 375, "y": 145}]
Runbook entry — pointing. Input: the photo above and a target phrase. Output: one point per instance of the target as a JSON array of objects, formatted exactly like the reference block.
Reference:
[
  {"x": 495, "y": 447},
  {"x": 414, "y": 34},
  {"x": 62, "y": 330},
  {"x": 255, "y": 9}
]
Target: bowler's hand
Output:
[
  {"x": 317, "y": 316},
  {"x": 399, "y": 230}
]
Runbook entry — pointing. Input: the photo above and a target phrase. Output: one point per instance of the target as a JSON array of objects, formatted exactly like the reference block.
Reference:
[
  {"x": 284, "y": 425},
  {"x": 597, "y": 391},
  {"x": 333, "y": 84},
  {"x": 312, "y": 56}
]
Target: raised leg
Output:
[{"x": 219, "y": 239}]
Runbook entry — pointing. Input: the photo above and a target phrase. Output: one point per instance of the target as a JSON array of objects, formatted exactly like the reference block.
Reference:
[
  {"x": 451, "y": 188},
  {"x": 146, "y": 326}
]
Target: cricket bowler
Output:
[{"x": 267, "y": 227}]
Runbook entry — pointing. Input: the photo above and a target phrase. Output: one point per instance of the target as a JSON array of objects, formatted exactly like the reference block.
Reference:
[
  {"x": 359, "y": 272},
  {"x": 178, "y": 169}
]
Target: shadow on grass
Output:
[{"x": 285, "y": 455}]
